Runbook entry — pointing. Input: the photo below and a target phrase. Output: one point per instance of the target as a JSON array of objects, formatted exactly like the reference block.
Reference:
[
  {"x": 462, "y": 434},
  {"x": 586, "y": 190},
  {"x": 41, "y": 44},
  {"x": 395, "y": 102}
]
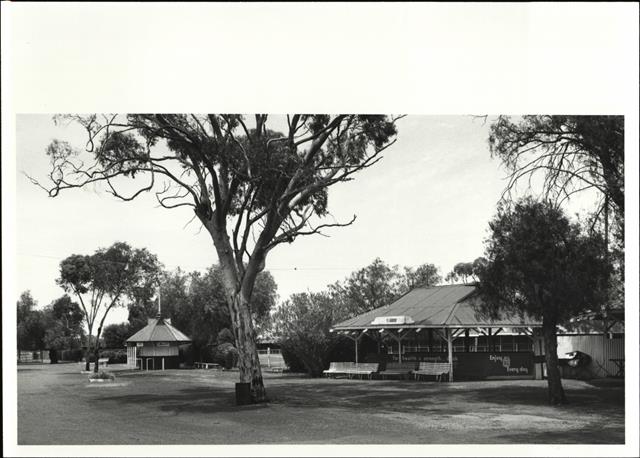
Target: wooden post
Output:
[
  {"x": 450, "y": 351},
  {"x": 358, "y": 338},
  {"x": 163, "y": 363},
  {"x": 268, "y": 356},
  {"x": 466, "y": 340}
]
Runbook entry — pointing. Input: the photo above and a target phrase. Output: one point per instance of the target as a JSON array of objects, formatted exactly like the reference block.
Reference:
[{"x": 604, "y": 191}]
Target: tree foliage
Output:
[
  {"x": 570, "y": 153},
  {"x": 380, "y": 284},
  {"x": 423, "y": 276},
  {"x": 303, "y": 322},
  {"x": 541, "y": 265},
  {"x": 64, "y": 320},
  {"x": 466, "y": 271},
  {"x": 104, "y": 280},
  {"x": 116, "y": 335},
  {"x": 30, "y": 324}
]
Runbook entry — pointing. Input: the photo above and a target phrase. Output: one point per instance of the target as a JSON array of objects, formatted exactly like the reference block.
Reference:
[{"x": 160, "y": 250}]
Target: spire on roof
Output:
[{"x": 159, "y": 315}]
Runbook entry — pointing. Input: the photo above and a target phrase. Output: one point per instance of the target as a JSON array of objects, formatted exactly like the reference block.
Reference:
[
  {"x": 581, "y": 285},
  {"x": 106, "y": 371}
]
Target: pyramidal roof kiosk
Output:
[
  {"x": 157, "y": 345},
  {"x": 451, "y": 311}
]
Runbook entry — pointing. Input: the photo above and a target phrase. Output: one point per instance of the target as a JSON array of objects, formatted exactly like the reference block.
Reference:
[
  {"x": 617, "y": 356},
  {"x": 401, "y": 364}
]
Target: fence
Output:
[
  {"x": 35, "y": 356},
  {"x": 271, "y": 357}
]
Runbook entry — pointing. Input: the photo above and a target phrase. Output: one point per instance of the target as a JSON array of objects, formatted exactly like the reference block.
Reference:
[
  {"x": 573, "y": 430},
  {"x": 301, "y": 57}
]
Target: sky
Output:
[{"x": 428, "y": 200}]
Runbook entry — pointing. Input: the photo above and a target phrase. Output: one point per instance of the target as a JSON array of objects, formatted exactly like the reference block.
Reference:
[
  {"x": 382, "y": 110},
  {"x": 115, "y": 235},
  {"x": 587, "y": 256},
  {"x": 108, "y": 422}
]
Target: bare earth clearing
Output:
[{"x": 57, "y": 405}]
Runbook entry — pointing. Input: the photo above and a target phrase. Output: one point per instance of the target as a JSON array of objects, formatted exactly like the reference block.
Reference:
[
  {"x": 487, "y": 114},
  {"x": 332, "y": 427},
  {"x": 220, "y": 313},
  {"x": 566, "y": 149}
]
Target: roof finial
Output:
[{"x": 159, "y": 301}]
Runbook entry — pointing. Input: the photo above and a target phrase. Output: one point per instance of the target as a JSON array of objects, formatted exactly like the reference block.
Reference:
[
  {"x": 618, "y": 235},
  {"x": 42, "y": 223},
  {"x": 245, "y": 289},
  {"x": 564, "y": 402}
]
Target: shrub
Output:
[
  {"x": 185, "y": 354},
  {"x": 225, "y": 336},
  {"x": 71, "y": 355},
  {"x": 115, "y": 356},
  {"x": 103, "y": 375},
  {"x": 226, "y": 355},
  {"x": 294, "y": 363}
]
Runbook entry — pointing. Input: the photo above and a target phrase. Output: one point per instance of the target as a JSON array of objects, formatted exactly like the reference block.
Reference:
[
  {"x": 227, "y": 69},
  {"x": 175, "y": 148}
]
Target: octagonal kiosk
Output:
[{"x": 156, "y": 346}]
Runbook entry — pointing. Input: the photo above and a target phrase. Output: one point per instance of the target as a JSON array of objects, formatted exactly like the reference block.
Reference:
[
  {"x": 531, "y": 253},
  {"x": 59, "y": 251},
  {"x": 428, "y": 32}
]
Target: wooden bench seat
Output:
[
  {"x": 351, "y": 369},
  {"x": 339, "y": 368},
  {"x": 438, "y": 370},
  {"x": 364, "y": 369},
  {"x": 403, "y": 369}
]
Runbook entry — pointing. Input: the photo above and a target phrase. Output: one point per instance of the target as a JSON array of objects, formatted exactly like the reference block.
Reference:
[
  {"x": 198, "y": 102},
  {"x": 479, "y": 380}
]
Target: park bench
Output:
[
  {"x": 435, "y": 369},
  {"x": 338, "y": 368},
  {"x": 275, "y": 369},
  {"x": 401, "y": 369},
  {"x": 101, "y": 362},
  {"x": 363, "y": 369},
  {"x": 203, "y": 365}
]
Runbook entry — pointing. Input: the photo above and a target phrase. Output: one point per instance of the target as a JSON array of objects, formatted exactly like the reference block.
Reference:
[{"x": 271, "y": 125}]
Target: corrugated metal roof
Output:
[
  {"x": 437, "y": 306},
  {"x": 158, "y": 330}
]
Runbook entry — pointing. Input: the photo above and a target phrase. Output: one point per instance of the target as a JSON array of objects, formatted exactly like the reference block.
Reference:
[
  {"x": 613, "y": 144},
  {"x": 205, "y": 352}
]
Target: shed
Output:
[
  {"x": 156, "y": 346},
  {"x": 449, "y": 312}
]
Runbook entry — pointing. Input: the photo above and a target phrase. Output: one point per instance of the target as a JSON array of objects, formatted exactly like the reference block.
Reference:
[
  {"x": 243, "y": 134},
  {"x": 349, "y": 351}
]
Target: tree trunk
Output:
[
  {"x": 248, "y": 361},
  {"x": 96, "y": 354},
  {"x": 556, "y": 393},
  {"x": 238, "y": 297},
  {"x": 53, "y": 356},
  {"x": 87, "y": 353},
  {"x": 96, "y": 350}
]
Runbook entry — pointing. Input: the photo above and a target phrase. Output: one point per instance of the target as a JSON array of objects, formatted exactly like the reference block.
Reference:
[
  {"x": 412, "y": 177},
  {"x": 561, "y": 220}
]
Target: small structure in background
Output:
[
  {"x": 157, "y": 345},
  {"x": 600, "y": 335},
  {"x": 270, "y": 355}
]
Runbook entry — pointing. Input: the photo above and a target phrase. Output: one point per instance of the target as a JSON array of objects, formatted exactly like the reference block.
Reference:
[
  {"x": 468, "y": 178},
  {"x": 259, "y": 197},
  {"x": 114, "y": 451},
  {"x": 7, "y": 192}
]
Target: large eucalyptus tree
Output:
[{"x": 252, "y": 188}]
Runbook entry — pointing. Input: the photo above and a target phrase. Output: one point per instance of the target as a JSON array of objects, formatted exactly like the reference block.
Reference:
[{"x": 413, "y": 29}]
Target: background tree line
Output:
[{"x": 57, "y": 327}]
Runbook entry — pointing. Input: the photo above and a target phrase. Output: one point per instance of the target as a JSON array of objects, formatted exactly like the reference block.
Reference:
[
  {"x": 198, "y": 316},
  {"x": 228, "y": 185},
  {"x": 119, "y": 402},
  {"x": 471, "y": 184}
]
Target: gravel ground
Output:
[{"x": 57, "y": 405}]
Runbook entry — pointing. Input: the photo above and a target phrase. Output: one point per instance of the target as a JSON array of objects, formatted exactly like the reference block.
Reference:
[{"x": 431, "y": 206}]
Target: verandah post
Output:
[{"x": 450, "y": 351}]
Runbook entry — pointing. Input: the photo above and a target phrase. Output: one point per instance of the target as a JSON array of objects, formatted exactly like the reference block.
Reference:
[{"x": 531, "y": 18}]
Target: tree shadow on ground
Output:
[
  {"x": 408, "y": 396},
  {"x": 193, "y": 400},
  {"x": 376, "y": 396}
]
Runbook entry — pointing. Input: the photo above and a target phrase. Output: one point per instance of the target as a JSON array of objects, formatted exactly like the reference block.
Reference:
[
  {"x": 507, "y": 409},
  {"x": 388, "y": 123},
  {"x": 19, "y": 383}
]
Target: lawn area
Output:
[{"x": 57, "y": 405}]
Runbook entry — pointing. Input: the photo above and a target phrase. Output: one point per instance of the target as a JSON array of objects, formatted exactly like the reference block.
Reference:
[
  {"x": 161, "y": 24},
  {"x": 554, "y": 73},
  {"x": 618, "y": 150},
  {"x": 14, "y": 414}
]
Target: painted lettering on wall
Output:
[{"x": 505, "y": 360}]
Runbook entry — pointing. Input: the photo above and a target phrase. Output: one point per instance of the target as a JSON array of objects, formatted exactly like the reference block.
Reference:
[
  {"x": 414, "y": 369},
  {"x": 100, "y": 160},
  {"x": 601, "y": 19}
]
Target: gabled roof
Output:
[
  {"x": 437, "y": 307},
  {"x": 158, "y": 330}
]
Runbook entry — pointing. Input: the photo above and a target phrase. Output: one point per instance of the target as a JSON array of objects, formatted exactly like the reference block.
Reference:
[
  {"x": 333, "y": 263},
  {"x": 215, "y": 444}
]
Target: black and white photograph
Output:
[{"x": 370, "y": 264}]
